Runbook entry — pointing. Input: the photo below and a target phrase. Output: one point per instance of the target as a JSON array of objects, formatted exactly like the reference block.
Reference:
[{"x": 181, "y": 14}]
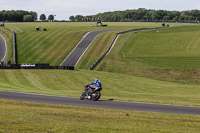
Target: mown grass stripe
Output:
[
  {"x": 115, "y": 86},
  {"x": 69, "y": 33}
]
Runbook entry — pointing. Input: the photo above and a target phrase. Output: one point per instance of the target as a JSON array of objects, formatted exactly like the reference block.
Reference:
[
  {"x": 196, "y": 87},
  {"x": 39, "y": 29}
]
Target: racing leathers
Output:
[{"x": 96, "y": 84}]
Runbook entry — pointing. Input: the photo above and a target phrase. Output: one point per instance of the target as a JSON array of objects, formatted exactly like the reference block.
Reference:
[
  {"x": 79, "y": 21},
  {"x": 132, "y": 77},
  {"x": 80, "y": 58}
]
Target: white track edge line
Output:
[
  {"x": 5, "y": 47},
  {"x": 89, "y": 46},
  {"x": 86, "y": 49},
  {"x": 75, "y": 47},
  {"x": 113, "y": 44}
]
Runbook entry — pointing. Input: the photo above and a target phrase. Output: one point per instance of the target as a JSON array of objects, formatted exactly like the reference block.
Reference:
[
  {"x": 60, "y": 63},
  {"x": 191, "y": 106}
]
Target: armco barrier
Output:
[
  {"x": 112, "y": 43},
  {"x": 15, "y": 57},
  {"x": 19, "y": 66},
  {"x": 97, "y": 62}
]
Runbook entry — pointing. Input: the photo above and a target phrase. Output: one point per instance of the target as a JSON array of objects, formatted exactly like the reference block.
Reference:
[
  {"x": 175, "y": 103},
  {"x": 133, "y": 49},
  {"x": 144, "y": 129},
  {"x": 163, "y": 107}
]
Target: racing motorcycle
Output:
[{"x": 90, "y": 93}]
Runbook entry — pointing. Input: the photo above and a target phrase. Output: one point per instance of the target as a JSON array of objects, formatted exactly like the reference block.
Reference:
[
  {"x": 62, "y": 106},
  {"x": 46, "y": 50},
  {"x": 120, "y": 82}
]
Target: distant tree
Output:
[
  {"x": 166, "y": 18},
  {"x": 79, "y": 18},
  {"x": 183, "y": 16},
  {"x": 197, "y": 19},
  {"x": 1, "y": 16},
  {"x": 43, "y": 17},
  {"x": 140, "y": 14},
  {"x": 28, "y": 18},
  {"x": 143, "y": 14},
  {"x": 16, "y": 15},
  {"x": 191, "y": 17},
  {"x": 72, "y": 18},
  {"x": 51, "y": 18},
  {"x": 34, "y": 15},
  {"x": 88, "y": 18}
]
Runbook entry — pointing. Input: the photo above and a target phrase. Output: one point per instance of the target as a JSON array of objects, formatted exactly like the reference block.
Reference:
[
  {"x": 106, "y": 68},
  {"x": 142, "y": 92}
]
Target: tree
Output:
[
  {"x": 191, "y": 17},
  {"x": 16, "y": 15},
  {"x": 51, "y": 18},
  {"x": 28, "y": 18},
  {"x": 79, "y": 18},
  {"x": 197, "y": 19},
  {"x": 43, "y": 17},
  {"x": 34, "y": 15},
  {"x": 72, "y": 18},
  {"x": 1, "y": 16}
]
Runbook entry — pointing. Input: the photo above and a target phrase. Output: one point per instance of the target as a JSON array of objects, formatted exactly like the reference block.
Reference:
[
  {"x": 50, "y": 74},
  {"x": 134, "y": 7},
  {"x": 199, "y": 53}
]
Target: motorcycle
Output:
[{"x": 90, "y": 93}]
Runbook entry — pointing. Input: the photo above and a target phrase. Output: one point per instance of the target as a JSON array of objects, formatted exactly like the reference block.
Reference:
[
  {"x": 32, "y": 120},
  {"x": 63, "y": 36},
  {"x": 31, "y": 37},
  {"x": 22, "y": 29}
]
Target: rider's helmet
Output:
[{"x": 96, "y": 80}]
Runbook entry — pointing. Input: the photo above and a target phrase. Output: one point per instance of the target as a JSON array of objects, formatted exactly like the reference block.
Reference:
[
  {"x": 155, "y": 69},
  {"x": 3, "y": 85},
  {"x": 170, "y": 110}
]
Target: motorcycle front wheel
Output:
[{"x": 82, "y": 96}]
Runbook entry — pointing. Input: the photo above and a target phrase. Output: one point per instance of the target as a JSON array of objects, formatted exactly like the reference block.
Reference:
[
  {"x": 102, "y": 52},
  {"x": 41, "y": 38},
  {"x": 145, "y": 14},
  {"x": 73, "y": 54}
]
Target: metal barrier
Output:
[
  {"x": 15, "y": 57},
  {"x": 36, "y": 66}
]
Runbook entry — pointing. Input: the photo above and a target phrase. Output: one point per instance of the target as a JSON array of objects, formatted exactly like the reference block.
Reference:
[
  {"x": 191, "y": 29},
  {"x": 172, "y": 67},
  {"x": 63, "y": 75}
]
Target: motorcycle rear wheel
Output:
[{"x": 96, "y": 95}]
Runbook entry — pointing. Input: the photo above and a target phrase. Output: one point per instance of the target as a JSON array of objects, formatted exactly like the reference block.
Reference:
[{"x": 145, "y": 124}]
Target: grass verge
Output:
[{"x": 31, "y": 117}]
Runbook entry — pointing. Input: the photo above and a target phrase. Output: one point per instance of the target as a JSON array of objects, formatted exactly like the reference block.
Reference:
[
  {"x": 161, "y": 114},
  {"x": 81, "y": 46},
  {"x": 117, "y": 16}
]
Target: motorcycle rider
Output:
[{"x": 97, "y": 86}]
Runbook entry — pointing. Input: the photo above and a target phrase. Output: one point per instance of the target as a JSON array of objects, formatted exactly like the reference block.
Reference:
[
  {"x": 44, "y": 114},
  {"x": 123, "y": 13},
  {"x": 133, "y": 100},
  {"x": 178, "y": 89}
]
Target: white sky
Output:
[{"x": 65, "y": 8}]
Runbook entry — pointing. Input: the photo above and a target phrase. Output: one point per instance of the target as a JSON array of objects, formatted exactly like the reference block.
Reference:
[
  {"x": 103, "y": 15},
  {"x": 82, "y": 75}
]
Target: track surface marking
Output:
[
  {"x": 73, "y": 58},
  {"x": 2, "y": 48}
]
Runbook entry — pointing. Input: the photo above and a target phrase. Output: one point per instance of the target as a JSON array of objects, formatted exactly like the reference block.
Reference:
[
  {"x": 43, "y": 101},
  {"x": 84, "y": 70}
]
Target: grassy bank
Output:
[
  {"x": 94, "y": 52},
  {"x": 53, "y": 46},
  {"x": 170, "y": 54},
  {"x": 115, "y": 86},
  {"x": 30, "y": 117}
]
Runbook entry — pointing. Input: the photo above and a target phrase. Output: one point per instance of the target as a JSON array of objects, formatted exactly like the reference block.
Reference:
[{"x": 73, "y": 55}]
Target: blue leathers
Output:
[{"x": 97, "y": 84}]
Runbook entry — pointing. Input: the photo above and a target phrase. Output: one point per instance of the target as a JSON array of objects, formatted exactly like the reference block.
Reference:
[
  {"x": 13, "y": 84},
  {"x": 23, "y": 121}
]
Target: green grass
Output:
[
  {"x": 131, "y": 59},
  {"x": 176, "y": 47},
  {"x": 104, "y": 41},
  {"x": 26, "y": 117},
  {"x": 115, "y": 86},
  {"x": 7, "y": 34},
  {"x": 170, "y": 54},
  {"x": 51, "y": 46},
  {"x": 54, "y": 45},
  {"x": 98, "y": 48}
]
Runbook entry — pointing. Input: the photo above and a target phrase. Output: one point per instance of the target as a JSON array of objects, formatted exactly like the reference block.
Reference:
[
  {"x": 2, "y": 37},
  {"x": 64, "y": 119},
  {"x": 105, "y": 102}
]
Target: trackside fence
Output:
[
  {"x": 19, "y": 66},
  {"x": 114, "y": 40},
  {"x": 15, "y": 57}
]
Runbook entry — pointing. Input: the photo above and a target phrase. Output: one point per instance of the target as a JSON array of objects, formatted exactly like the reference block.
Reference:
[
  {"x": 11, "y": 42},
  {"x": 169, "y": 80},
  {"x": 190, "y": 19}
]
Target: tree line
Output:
[
  {"x": 22, "y": 16},
  {"x": 17, "y": 16},
  {"x": 141, "y": 14},
  {"x": 44, "y": 18}
]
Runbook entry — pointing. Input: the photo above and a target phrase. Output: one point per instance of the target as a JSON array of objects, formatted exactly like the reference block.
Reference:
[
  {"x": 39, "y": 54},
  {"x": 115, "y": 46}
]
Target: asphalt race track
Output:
[
  {"x": 145, "y": 107},
  {"x": 73, "y": 58},
  {"x": 2, "y": 48}
]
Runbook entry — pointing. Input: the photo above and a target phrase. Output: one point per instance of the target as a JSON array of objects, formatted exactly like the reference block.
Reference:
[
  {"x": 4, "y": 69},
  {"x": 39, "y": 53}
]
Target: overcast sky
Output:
[{"x": 65, "y": 8}]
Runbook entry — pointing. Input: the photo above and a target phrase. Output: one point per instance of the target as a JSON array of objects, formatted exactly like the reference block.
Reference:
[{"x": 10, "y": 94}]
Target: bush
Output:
[{"x": 28, "y": 18}]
